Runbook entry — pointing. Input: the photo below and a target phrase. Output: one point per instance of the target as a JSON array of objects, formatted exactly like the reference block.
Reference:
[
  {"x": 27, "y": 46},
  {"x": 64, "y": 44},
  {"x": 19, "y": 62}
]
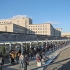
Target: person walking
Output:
[
  {"x": 21, "y": 59},
  {"x": 12, "y": 57},
  {"x": 38, "y": 58},
  {"x": 0, "y": 63},
  {"x": 26, "y": 62}
]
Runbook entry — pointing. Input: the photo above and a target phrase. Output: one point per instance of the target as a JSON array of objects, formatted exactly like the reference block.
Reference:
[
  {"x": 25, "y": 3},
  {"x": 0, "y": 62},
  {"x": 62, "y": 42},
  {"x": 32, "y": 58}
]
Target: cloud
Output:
[
  {"x": 53, "y": 22},
  {"x": 19, "y": 16}
]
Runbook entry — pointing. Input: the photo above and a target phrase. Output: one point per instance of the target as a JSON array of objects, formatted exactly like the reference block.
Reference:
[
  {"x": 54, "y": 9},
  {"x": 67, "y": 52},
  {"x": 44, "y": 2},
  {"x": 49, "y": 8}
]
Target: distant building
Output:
[
  {"x": 67, "y": 34},
  {"x": 24, "y": 25},
  {"x": 42, "y": 29}
]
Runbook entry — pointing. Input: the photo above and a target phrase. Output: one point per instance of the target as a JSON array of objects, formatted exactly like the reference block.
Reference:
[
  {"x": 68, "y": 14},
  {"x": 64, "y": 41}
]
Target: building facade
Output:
[
  {"x": 11, "y": 28},
  {"x": 42, "y": 29},
  {"x": 57, "y": 31},
  {"x": 24, "y": 25},
  {"x": 67, "y": 34}
]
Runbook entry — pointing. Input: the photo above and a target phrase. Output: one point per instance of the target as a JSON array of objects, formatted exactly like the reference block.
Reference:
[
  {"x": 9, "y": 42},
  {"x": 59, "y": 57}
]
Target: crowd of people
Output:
[{"x": 23, "y": 58}]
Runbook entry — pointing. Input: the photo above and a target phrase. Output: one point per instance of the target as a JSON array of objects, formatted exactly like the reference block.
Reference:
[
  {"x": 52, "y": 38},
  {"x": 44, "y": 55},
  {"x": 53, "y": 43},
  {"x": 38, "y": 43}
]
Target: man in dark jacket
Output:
[{"x": 26, "y": 62}]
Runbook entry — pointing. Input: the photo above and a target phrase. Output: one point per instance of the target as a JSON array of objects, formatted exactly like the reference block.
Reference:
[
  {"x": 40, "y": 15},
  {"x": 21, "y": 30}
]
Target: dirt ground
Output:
[{"x": 62, "y": 62}]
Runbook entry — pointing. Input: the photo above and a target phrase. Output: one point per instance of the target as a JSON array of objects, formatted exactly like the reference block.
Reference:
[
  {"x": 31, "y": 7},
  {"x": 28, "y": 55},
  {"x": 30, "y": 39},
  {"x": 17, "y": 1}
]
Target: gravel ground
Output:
[{"x": 62, "y": 62}]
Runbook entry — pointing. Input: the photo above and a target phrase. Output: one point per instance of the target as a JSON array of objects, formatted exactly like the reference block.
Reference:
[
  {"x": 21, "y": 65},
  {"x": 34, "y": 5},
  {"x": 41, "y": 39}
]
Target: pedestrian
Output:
[
  {"x": 43, "y": 58},
  {"x": 1, "y": 55},
  {"x": 26, "y": 62},
  {"x": 21, "y": 60},
  {"x": 0, "y": 63},
  {"x": 38, "y": 58},
  {"x": 12, "y": 57}
]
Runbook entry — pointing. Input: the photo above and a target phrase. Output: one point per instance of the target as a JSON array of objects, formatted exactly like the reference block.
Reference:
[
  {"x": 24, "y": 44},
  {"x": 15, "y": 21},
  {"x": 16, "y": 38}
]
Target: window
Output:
[
  {"x": 10, "y": 22},
  {"x": 6, "y": 28},
  {"x": 25, "y": 21},
  {"x": 36, "y": 31},
  {"x": 31, "y": 28}
]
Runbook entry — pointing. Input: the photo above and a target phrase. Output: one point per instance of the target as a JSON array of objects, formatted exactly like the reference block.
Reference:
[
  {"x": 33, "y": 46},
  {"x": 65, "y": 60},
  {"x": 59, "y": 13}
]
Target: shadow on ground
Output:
[
  {"x": 8, "y": 69},
  {"x": 60, "y": 61},
  {"x": 59, "y": 65},
  {"x": 65, "y": 66}
]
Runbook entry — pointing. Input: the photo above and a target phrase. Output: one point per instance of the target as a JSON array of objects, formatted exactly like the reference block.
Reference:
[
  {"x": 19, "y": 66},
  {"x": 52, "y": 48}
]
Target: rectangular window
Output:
[
  {"x": 6, "y": 28},
  {"x": 36, "y": 31},
  {"x": 25, "y": 21}
]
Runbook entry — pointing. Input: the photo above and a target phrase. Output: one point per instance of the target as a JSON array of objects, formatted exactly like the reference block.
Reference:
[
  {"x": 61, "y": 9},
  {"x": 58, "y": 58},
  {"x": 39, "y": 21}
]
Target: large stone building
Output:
[
  {"x": 24, "y": 25},
  {"x": 44, "y": 29}
]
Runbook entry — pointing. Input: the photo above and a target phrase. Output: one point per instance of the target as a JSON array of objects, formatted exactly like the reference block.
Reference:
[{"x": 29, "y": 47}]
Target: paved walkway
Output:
[
  {"x": 62, "y": 62},
  {"x": 32, "y": 64}
]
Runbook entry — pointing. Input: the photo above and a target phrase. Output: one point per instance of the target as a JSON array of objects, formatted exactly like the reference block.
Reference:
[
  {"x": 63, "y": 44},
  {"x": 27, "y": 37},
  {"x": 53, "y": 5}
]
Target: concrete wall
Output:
[{"x": 23, "y": 37}]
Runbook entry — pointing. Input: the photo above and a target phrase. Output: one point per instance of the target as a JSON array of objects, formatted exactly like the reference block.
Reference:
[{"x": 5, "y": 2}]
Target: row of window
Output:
[
  {"x": 38, "y": 29},
  {"x": 5, "y": 22},
  {"x": 2, "y": 22},
  {"x": 8, "y": 22},
  {"x": 39, "y": 26},
  {"x": 41, "y": 31}
]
